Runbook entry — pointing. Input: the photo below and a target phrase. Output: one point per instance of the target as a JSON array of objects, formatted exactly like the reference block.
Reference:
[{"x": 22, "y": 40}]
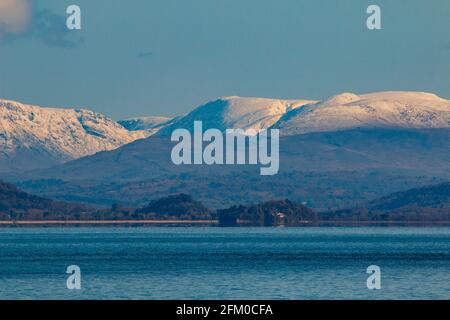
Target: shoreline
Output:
[
  {"x": 105, "y": 222},
  {"x": 336, "y": 223}
]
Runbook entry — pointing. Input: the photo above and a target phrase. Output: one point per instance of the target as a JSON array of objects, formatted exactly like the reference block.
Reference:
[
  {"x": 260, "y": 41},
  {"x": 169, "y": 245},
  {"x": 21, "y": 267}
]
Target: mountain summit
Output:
[
  {"x": 237, "y": 113},
  {"x": 345, "y": 111},
  {"x": 413, "y": 110},
  {"x": 32, "y": 137}
]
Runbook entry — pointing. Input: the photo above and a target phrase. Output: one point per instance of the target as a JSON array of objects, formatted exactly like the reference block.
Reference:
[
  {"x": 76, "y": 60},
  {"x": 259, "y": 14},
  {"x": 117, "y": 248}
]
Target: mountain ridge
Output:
[
  {"x": 235, "y": 112},
  {"x": 392, "y": 109},
  {"x": 32, "y": 136},
  {"x": 389, "y": 109}
]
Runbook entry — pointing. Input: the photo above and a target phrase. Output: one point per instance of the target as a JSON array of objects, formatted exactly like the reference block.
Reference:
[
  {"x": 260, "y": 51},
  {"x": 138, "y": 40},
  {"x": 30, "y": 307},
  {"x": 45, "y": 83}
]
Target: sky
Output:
[{"x": 165, "y": 57}]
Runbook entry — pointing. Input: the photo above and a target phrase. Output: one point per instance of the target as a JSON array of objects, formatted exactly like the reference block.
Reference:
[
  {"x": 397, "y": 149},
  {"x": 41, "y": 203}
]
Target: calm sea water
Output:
[{"x": 233, "y": 263}]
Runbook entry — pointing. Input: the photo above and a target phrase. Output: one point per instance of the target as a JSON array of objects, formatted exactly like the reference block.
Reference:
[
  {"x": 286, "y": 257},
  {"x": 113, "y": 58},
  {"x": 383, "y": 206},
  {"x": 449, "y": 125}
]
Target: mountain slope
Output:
[
  {"x": 236, "y": 113},
  {"x": 16, "y": 204},
  {"x": 434, "y": 196},
  {"x": 429, "y": 203},
  {"x": 376, "y": 110},
  {"x": 342, "y": 112},
  {"x": 327, "y": 169},
  {"x": 31, "y": 136},
  {"x": 423, "y": 150}
]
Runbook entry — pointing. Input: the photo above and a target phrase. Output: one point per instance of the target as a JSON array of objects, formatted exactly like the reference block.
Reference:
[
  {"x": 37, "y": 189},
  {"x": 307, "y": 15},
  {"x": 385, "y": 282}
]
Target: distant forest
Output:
[{"x": 429, "y": 204}]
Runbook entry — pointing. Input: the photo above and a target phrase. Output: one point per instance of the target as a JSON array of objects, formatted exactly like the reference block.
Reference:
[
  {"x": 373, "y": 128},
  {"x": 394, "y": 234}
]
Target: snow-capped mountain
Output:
[
  {"x": 34, "y": 137},
  {"x": 237, "y": 113},
  {"x": 344, "y": 111},
  {"x": 375, "y": 110},
  {"x": 31, "y": 136},
  {"x": 152, "y": 124},
  {"x": 335, "y": 153}
]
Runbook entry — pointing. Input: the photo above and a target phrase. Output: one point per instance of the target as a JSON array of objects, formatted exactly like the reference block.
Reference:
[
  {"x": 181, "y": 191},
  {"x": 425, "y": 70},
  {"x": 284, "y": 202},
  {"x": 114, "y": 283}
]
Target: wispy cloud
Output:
[
  {"x": 19, "y": 21},
  {"x": 14, "y": 16},
  {"x": 144, "y": 54}
]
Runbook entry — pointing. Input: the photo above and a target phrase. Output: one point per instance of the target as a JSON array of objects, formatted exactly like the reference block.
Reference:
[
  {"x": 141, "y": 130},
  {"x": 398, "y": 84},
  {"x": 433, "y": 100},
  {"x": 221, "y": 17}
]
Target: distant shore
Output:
[
  {"x": 213, "y": 223},
  {"x": 107, "y": 222}
]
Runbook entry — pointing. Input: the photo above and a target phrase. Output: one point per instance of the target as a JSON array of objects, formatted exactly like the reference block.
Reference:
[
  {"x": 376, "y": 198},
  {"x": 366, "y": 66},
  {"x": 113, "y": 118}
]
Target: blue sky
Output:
[{"x": 164, "y": 57}]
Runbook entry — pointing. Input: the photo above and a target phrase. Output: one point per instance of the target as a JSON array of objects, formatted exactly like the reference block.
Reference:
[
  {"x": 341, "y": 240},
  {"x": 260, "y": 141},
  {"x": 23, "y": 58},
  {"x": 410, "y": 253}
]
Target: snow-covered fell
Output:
[
  {"x": 34, "y": 137},
  {"x": 237, "y": 113},
  {"x": 375, "y": 110},
  {"x": 28, "y": 131},
  {"x": 343, "y": 111}
]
